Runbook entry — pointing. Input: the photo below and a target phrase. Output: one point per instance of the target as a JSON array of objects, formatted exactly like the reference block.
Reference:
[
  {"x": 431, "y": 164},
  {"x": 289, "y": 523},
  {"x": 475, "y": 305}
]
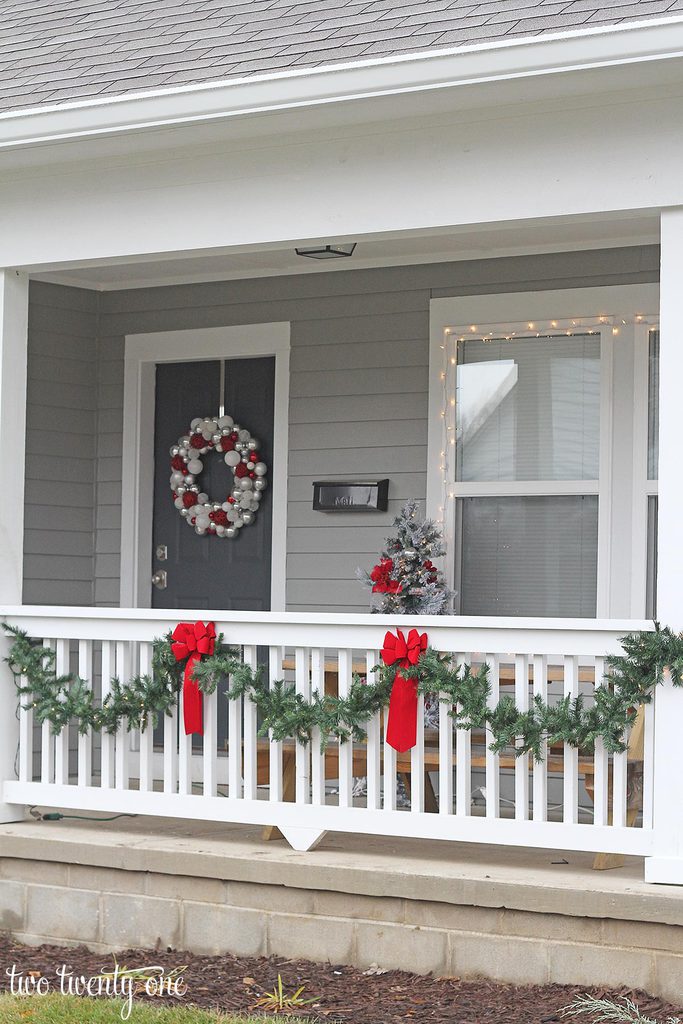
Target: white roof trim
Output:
[{"x": 584, "y": 49}]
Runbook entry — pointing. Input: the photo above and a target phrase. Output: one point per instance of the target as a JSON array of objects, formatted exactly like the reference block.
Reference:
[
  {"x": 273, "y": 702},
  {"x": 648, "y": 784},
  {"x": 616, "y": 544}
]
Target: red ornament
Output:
[
  {"x": 255, "y": 457},
  {"x": 231, "y": 500},
  {"x": 177, "y": 462},
  {"x": 227, "y": 445},
  {"x": 190, "y": 499},
  {"x": 241, "y": 470},
  {"x": 197, "y": 441},
  {"x": 253, "y": 476},
  {"x": 219, "y": 518},
  {"x": 234, "y": 436}
]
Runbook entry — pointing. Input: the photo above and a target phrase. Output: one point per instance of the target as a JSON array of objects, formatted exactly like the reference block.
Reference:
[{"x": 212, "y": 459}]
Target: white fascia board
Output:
[{"x": 527, "y": 58}]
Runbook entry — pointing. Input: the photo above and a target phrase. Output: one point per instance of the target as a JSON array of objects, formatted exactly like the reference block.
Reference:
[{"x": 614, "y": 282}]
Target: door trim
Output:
[{"x": 142, "y": 353}]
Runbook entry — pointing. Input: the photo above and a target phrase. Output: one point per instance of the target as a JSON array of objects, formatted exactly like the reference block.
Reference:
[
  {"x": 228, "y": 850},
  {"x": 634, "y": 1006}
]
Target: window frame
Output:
[{"x": 619, "y": 313}]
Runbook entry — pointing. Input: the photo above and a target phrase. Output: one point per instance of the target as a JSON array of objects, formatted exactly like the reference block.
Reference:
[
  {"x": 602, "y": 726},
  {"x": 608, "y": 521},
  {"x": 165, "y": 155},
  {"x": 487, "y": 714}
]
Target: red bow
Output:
[
  {"x": 401, "y": 731},
  {"x": 191, "y": 640}
]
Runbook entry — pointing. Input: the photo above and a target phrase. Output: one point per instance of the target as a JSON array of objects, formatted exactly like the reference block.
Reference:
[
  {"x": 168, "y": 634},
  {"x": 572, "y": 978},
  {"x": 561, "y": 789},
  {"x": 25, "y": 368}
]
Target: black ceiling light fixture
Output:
[{"x": 326, "y": 252}]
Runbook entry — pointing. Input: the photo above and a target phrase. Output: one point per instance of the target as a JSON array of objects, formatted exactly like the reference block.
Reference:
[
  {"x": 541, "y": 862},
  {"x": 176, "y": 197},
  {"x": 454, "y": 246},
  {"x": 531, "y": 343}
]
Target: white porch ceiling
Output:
[{"x": 521, "y": 238}]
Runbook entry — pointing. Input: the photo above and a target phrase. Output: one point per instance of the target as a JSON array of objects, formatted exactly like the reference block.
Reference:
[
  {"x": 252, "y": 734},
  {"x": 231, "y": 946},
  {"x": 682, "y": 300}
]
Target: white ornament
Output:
[
  {"x": 260, "y": 469},
  {"x": 232, "y": 458},
  {"x": 195, "y": 466},
  {"x": 245, "y": 483},
  {"x": 225, "y": 421},
  {"x": 195, "y": 422}
]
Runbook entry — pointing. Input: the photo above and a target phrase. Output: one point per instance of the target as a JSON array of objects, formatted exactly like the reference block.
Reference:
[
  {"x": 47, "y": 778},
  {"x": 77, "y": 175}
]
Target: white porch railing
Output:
[{"x": 306, "y": 792}]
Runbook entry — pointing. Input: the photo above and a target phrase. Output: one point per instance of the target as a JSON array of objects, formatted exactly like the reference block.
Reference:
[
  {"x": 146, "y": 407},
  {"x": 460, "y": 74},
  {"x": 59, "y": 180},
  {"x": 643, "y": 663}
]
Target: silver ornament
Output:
[
  {"x": 244, "y": 436},
  {"x": 260, "y": 469},
  {"x": 237, "y": 493},
  {"x": 216, "y": 438},
  {"x": 230, "y": 531},
  {"x": 184, "y": 512},
  {"x": 260, "y": 484},
  {"x": 245, "y": 483},
  {"x": 252, "y": 445},
  {"x": 180, "y": 491},
  {"x": 248, "y": 518},
  {"x": 175, "y": 450}
]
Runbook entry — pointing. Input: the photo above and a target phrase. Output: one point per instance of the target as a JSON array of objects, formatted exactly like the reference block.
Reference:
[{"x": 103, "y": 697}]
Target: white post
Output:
[
  {"x": 13, "y": 355},
  {"x": 666, "y": 865}
]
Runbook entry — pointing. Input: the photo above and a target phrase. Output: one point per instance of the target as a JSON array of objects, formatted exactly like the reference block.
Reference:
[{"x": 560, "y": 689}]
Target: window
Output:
[
  {"x": 541, "y": 441},
  {"x": 528, "y": 412}
]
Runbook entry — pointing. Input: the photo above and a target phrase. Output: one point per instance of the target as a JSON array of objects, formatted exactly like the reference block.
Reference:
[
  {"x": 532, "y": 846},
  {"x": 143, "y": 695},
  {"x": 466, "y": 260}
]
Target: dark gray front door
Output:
[{"x": 207, "y": 571}]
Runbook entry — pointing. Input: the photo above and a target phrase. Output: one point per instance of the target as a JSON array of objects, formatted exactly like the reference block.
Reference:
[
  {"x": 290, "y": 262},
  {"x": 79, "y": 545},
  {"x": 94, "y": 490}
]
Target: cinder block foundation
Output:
[{"x": 477, "y": 912}]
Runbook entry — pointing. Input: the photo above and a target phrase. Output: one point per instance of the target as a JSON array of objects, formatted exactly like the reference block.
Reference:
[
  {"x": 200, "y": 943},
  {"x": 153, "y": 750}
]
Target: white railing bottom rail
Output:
[{"x": 450, "y": 786}]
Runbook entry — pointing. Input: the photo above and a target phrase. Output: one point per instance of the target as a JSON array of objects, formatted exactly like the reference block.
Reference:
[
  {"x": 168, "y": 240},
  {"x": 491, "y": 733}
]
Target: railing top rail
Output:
[{"x": 589, "y": 637}]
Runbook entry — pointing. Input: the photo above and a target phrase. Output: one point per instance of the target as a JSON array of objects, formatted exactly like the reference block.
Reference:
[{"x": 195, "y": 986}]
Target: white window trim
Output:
[
  {"x": 142, "y": 353},
  {"x": 627, "y": 308}
]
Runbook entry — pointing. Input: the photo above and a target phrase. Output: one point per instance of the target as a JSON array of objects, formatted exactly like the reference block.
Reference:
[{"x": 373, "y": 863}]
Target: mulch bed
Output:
[{"x": 346, "y": 994}]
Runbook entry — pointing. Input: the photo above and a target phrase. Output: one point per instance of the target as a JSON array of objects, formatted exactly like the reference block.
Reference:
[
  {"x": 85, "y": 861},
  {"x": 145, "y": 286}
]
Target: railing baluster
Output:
[
  {"x": 107, "y": 738},
  {"x": 250, "y": 739},
  {"x": 601, "y": 764},
  {"x": 522, "y": 760},
  {"x": 345, "y": 749},
  {"x": 648, "y": 763},
  {"x": 146, "y": 770},
  {"x": 210, "y": 745},
  {"x": 184, "y": 753},
  {"x": 619, "y": 788},
  {"x": 389, "y": 801},
  {"x": 417, "y": 762},
  {"x": 85, "y": 739},
  {"x": 47, "y": 742},
  {"x": 124, "y": 670},
  {"x": 463, "y": 762},
  {"x": 492, "y": 759},
  {"x": 62, "y": 738},
  {"x": 303, "y": 752},
  {"x": 570, "y": 764},
  {"x": 275, "y": 770},
  {"x": 25, "y": 736},
  {"x": 445, "y": 757},
  {"x": 373, "y": 742},
  {"x": 540, "y": 779},
  {"x": 317, "y": 757},
  {"x": 171, "y": 750},
  {"x": 234, "y": 748}
]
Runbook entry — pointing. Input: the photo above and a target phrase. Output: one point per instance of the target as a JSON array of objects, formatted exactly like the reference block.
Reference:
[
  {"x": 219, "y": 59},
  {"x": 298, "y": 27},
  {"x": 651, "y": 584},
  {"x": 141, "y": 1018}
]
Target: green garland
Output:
[{"x": 284, "y": 713}]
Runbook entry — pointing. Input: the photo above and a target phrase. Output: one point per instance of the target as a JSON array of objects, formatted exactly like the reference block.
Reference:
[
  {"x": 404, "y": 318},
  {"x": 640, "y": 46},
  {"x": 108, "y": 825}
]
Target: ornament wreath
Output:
[
  {"x": 240, "y": 454},
  {"x": 284, "y": 713}
]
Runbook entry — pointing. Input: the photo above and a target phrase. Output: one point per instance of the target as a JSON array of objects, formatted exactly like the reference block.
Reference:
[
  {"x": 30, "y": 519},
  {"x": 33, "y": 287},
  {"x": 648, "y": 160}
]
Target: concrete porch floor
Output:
[{"x": 520, "y": 915}]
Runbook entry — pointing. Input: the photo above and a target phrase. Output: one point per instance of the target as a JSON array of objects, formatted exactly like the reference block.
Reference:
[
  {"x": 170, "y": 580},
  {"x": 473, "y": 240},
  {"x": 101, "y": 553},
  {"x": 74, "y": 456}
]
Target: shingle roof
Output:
[{"x": 55, "y": 51}]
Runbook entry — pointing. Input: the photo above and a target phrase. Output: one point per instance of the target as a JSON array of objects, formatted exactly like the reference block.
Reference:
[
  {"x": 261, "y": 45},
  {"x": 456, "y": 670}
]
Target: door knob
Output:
[{"x": 160, "y": 579}]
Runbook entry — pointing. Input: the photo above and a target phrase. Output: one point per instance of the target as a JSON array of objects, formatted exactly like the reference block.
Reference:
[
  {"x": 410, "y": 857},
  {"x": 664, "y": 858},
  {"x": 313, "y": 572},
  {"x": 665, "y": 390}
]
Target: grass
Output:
[{"x": 57, "y": 1009}]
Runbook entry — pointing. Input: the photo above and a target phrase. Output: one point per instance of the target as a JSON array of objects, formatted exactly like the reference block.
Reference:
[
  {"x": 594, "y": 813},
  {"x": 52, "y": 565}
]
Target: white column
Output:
[
  {"x": 667, "y": 863},
  {"x": 13, "y": 354}
]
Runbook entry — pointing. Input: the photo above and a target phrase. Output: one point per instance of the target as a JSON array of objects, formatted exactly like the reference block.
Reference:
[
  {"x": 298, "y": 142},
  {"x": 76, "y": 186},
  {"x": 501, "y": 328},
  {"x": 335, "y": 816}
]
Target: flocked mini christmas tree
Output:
[{"x": 405, "y": 579}]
